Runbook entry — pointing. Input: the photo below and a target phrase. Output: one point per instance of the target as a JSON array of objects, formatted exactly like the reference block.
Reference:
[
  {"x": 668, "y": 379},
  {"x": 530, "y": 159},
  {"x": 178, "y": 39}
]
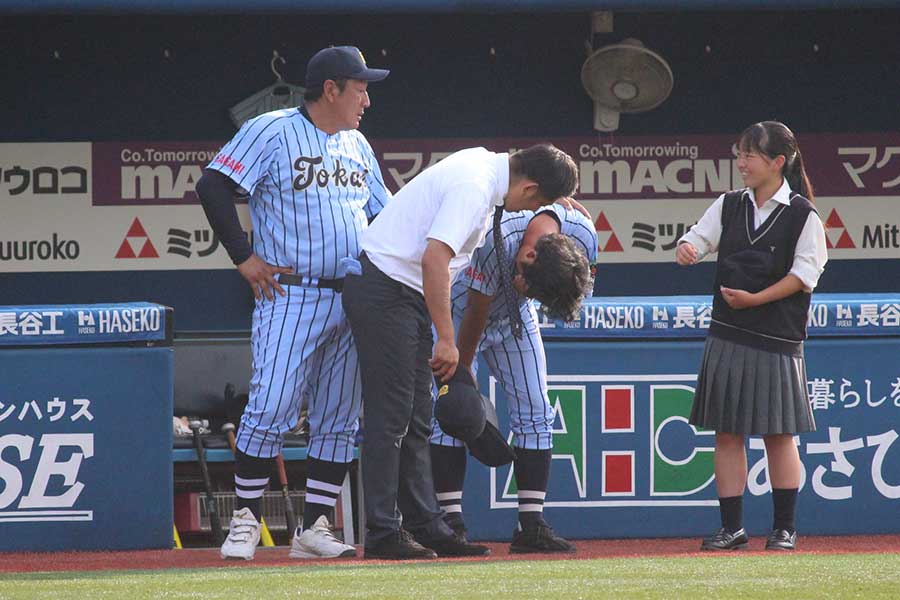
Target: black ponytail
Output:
[
  {"x": 796, "y": 176},
  {"x": 772, "y": 139}
]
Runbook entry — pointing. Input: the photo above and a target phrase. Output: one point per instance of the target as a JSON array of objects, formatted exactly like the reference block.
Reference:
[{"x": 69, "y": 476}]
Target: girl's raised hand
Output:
[{"x": 685, "y": 254}]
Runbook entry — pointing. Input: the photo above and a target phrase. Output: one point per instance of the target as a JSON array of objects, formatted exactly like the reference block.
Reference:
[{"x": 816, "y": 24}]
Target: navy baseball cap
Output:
[
  {"x": 340, "y": 62},
  {"x": 463, "y": 413}
]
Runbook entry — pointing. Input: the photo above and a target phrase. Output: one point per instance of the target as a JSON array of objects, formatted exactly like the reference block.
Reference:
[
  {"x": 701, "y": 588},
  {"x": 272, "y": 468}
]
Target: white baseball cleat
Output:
[
  {"x": 243, "y": 536},
  {"x": 319, "y": 542}
]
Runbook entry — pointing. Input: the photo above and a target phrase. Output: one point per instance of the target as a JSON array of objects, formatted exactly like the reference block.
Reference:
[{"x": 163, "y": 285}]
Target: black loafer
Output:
[
  {"x": 455, "y": 522},
  {"x": 454, "y": 545},
  {"x": 538, "y": 539},
  {"x": 726, "y": 540},
  {"x": 398, "y": 546},
  {"x": 781, "y": 539}
]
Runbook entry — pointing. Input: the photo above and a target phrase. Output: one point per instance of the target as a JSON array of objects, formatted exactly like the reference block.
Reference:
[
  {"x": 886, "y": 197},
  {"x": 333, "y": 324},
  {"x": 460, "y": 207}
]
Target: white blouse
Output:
[{"x": 810, "y": 255}]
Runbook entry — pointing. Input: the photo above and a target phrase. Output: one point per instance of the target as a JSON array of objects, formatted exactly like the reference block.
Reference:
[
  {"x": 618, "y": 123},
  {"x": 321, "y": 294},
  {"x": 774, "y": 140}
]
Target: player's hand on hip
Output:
[
  {"x": 685, "y": 254},
  {"x": 445, "y": 358},
  {"x": 261, "y": 277},
  {"x": 574, "y": 204},
  {"x": 738, "y": 299}
]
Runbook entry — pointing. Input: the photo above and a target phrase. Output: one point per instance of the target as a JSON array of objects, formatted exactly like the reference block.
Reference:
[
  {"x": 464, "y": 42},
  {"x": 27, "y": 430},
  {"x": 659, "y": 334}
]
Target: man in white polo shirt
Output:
[{"x": 411, "y": 254}]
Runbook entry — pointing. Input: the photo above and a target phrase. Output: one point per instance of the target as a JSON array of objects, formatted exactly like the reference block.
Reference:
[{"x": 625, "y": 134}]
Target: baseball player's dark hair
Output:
[
  {"x": 552, "y": 169},
  {"x": 772, "y": 138},
  {"x": 313, "y": 94},
  {"x": 559, "y": 278}
]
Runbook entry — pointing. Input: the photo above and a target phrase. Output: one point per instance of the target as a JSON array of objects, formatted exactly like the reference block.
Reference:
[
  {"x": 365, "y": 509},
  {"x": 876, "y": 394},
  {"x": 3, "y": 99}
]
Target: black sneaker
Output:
[
  {"x": 781, "y": 539},
  {"x": 726, "y": 540},
  {"x": 399, "y": 545},
  {"x": 454, "y": 545},
  {"x": 538, "y": 538}
]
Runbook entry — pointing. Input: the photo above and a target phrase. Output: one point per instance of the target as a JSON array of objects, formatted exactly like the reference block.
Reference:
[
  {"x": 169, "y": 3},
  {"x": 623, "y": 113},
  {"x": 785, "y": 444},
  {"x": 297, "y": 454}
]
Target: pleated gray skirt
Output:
[{"x": 747, "y": 391}]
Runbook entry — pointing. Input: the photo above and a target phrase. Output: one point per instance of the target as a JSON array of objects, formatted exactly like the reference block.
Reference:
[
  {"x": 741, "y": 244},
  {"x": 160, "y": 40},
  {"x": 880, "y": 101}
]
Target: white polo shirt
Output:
[{"x": 452, "y": 201}]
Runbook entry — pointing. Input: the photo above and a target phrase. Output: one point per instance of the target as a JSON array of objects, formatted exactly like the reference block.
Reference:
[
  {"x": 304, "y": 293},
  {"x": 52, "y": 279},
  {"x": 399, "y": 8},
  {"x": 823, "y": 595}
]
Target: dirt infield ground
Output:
[{"x": 273, "y": 557}]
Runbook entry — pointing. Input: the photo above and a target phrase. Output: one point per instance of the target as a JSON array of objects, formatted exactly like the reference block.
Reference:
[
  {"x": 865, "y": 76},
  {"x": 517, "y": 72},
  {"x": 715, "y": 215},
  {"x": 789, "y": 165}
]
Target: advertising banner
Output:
[
  {"x": 113, "y": 206},
  {"x": 689, "y": 317},
  {"x": 133, "y": 323},
  {"x": 65, "y": 207},
  {"x": 645, "y": 192},
  {"x": 626, "y": 462},
  {"x": 86, "y": 436}
]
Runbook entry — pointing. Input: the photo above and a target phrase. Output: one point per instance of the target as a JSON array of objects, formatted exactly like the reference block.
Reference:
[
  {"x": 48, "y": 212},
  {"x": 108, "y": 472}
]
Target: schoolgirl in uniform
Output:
[{"x": 752, "y": 378}]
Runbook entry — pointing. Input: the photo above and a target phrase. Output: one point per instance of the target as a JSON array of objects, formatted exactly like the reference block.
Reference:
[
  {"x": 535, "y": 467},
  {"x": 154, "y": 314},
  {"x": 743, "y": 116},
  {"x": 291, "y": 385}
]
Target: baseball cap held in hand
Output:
[
  {"x": 340, "y": 62},
  {"x": 465, "y": 414}
]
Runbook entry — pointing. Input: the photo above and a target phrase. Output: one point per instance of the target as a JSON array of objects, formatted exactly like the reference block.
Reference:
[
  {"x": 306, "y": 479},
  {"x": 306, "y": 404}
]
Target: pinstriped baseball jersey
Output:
[
  {"x": 311, "y": 197},
  {"x": 311, "y": 193},
  {"x": 483, "y": 275},
  {"x": 519, "y": 365}
]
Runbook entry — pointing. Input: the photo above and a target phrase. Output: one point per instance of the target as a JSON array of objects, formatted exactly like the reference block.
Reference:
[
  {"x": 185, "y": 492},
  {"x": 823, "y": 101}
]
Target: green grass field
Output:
[{"x": 788, "y": 576}]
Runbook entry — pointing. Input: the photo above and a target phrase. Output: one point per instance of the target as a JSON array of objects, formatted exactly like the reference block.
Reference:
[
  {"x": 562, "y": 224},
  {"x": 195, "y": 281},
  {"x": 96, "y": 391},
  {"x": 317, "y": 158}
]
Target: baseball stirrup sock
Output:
[
  {"x": 448, "y": 468},
  {"x": 323, "y": 485},
  {"x": 532, "y": 469},
  {"x": 784, "y": 502},
  {"x": 451, "y": 502},
  {"x": 731, "y": 509},
  {"x": 251, "y": 478}
]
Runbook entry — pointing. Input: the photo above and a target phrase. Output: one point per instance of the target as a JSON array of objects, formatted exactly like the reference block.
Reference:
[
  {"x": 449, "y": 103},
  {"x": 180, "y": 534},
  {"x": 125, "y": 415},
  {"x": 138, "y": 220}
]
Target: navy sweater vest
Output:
[{"x": 753, "y": 259}]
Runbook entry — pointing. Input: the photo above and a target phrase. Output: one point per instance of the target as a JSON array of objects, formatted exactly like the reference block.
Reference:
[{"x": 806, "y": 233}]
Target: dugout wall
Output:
[{"x": 92, "y": 78}]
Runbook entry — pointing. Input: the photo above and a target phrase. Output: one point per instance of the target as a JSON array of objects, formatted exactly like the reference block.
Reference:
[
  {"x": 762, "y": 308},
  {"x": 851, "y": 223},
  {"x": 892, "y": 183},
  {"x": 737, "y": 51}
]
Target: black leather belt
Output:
[{"x": 294, "y": 279}]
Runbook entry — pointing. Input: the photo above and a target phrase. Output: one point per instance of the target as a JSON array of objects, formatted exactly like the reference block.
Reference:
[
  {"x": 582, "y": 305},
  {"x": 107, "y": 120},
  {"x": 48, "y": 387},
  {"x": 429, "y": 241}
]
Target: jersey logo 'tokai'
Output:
[{"x": 306, "y": 165}]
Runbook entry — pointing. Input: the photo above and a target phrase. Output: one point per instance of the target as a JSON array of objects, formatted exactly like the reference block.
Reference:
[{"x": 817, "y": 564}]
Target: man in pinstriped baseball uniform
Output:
[
  {"x": 314, "y": 185},
  {"x": 551, "y": 252}
]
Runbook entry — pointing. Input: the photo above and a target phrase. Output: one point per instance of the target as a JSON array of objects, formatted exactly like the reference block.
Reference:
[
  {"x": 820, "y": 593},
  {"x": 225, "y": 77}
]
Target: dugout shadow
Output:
[{"x": 205, "y": 364}]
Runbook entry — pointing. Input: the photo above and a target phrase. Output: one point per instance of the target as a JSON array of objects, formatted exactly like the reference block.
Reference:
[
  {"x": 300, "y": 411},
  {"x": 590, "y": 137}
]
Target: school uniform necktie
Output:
[{"x": 509, "y": 294}]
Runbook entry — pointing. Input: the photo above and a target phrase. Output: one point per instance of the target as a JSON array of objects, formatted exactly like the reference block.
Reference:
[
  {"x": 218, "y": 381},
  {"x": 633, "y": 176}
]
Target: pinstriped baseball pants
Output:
[
  {"x": 302, "y": 351},
  {"x": 520, "y": 367}
]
